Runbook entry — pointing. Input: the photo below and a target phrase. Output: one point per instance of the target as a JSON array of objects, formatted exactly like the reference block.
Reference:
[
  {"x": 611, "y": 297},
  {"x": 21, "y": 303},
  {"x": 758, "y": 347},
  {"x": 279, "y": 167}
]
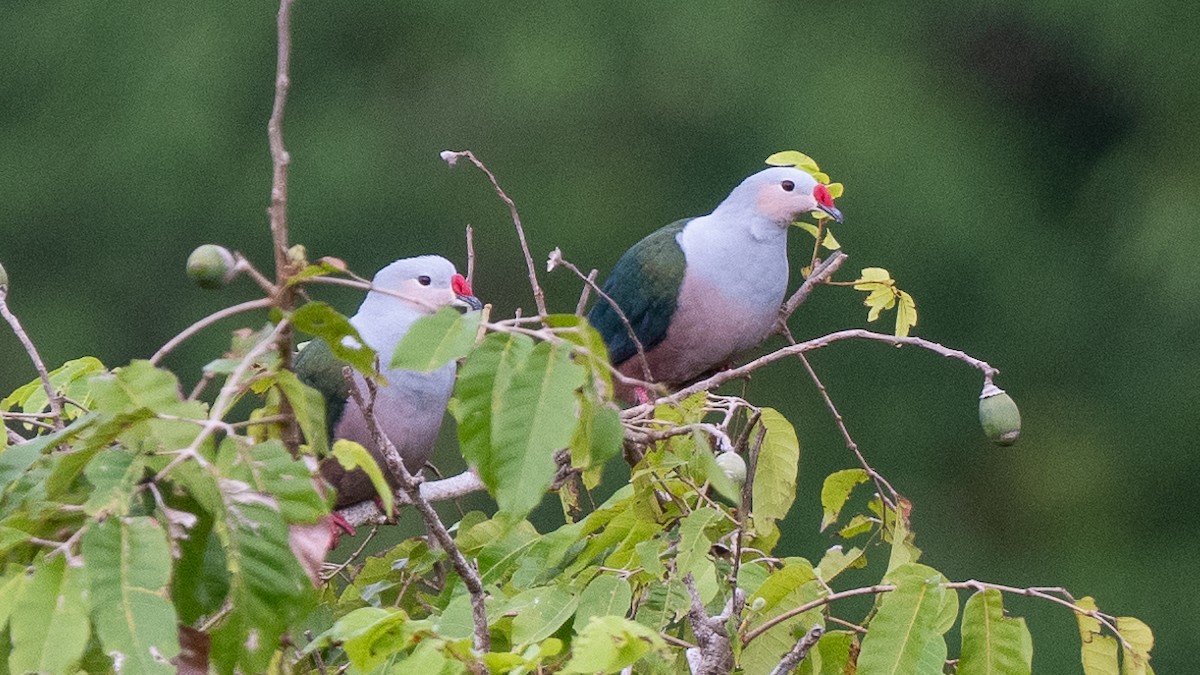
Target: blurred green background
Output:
[{"x": 1029, "y": 172}]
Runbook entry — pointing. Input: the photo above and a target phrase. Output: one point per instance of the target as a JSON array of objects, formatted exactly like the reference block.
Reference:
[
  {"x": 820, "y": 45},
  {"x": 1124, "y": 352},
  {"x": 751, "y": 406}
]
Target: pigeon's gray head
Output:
[
  {"x": 781, "y": 194},
  {"x": 425, "y": 284}
]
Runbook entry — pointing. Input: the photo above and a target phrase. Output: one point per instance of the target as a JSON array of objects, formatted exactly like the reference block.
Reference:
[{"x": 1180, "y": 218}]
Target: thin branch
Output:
[
  {"x": 589, "y": 282},
  {"x": 556, "y": 259},
  {"x": 31, "y": 350},
  {"x": 724, "y": 376},
  {"x": 433, "y": 491},
  {"x": 797, "y": 654},
  {"x": 451, "y": 157},
  {"x": 820, "y": 274},
  {"x": 411, "y": 486},
  {"x": 233, "y": 386},
  {"x": 261, "y": 303},
  {"x": 881, "y": 483},
  {"x": 280, "y": 159},
  {"x": 813, "y": 604},
  {"x": 470, "y": 254}
]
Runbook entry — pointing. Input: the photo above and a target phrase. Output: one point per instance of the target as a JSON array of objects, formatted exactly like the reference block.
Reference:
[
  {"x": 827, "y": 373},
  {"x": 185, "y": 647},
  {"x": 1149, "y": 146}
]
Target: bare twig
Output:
[
  {"x": 233, "y": 386},
  {"x": 451, "y": 157},
  {"x": 433, "y": 491},
  {"x": 261, "y": 303},
  {"x": 1050, "y": 594},
  {"x": 819, "y": 275},
  {"x": 724, "y": 376},
  {"x": 892, "y": 498},
  {"x": 411, "y": 486},
  {"x": 280, "y": 159},
  {"x": 797, "y": 654},
  {"x": 556, "y": 260},
  {"x": 31, "y": 350},
  {"x": 470, "y": 254},
  {"x": 589, "y": 282}
]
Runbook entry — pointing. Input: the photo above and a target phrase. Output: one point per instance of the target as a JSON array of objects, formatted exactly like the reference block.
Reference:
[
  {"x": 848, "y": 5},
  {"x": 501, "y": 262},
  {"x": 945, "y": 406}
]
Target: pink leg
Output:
[
  {"x": 641, "y": 395},
  {"x": 338, "y": 525}
]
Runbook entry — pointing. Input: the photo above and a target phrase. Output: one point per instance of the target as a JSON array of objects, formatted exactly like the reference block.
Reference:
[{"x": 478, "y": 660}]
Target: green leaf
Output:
[
  {"x": 1098, "y": 652},
  {"x": 323, "y": 321},
  {"x": 828, "y": 242},
  {"x": 992, "y": 643},
  {"x": 540, "y": 612},
  {"x": 906, "y": 626},
  {"x": 114, "y": 475},
  {"x": 609, "y": 643},
  {"x": 606, "y": 595},
  {"x": 776, "y": 471},
  {"x": 270, "y": 470},
  {"x": 599, "y": 435},
  {"x": 309, "y": 407},
  {"x": 835, "y": 561},
  {"x": 836, "y": 491},
  {"x": 129, "y": 566},
  {"x": 693, "y": 543},
  {"x": 906, "y": 314},
  {"x": 903, "y": 549},
  {"x": 53, "y": 628},
  {"x": 69, "y": 379},
  {"x": 516, "y": 407},
  {"x": 16, "y": 579},
  {"x": 435, "y": 340},
  {"x": 794, "y": 158},
  {"x": 353, "y": 456},
  {"x": 787, "y": 588},
  {"x": 1141, "y": 639}
]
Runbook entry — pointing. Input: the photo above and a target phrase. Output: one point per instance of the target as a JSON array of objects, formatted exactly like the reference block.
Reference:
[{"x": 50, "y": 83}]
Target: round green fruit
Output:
[
  {"x": 734, "y": 467},
  {"x": 999, "y": 416},
  {"x": 211, "y": 266}
]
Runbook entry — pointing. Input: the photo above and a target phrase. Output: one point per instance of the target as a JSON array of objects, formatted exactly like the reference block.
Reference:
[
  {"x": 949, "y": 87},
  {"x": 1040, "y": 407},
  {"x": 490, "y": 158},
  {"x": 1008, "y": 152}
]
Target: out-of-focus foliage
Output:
[{"x": 1028, "y": 170}]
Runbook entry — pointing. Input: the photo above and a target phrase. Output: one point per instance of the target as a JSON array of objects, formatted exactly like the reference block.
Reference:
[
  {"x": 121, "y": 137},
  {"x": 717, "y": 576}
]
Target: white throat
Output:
[{"x": 746, "y": 257}]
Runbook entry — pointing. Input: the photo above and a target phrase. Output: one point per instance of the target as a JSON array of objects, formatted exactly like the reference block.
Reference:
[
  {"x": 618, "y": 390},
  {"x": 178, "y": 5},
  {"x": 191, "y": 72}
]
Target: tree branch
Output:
[
  {"x": 797, "y": 654},
  {"x": 724, "y": 376},
  {"x": 31, "y": 350},
  {"x": 410, "y": 485},
  {"x": 451, "y": 157},
  {"x": 820, "y": 274},
  {"x": 261, "y": 303}
]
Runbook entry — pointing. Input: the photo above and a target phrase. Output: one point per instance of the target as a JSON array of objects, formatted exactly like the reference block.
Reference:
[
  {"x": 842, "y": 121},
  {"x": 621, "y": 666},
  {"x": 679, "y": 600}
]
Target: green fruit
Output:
[
  {"x": 734, "y": 467},
  {"x": 211, "y": 266},
  {"x": 3, "y": 277},
  {"x": 999, "y": 416}
]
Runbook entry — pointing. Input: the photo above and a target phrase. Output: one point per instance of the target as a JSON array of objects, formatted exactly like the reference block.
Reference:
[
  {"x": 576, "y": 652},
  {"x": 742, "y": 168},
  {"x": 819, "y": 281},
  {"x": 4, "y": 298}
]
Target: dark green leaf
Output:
[
  {"x": 540, "y": 612},
  {"x": 309, "y": 407},
  {"x": 323, "y": 321}
]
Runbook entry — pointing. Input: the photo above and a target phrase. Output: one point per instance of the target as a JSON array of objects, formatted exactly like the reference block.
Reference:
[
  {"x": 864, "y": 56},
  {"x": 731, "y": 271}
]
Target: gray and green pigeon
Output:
[
  {"x": 701, "y": 290},
  {"x": 410, "y": 404}
]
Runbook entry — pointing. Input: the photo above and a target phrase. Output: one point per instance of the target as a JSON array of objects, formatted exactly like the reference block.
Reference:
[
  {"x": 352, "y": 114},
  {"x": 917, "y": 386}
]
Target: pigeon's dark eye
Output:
[
  {"x": 424, "y": 280},
  {"x": 787, "y": 186}
]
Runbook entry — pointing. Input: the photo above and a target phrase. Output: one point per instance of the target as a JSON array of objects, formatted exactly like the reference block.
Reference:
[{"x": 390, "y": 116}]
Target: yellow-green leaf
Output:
[
  {"x": 353, "y": 456},
  {"x": 775, "y": 475},
  {"x": 906, "y": 626},
  {"x": 1097, "y": 652},
  {"x": 992, "y": 643},
  {"x": 828, "y": 242},
  {"x": 906, "y": 314},
  {"x": 435, "y": 340},
  {"x": 1139, "y": 637},
  {"x": 794, "y": 158},
  {"x": 836, "y": 491},
  {"x": 609, "y": 643}
]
